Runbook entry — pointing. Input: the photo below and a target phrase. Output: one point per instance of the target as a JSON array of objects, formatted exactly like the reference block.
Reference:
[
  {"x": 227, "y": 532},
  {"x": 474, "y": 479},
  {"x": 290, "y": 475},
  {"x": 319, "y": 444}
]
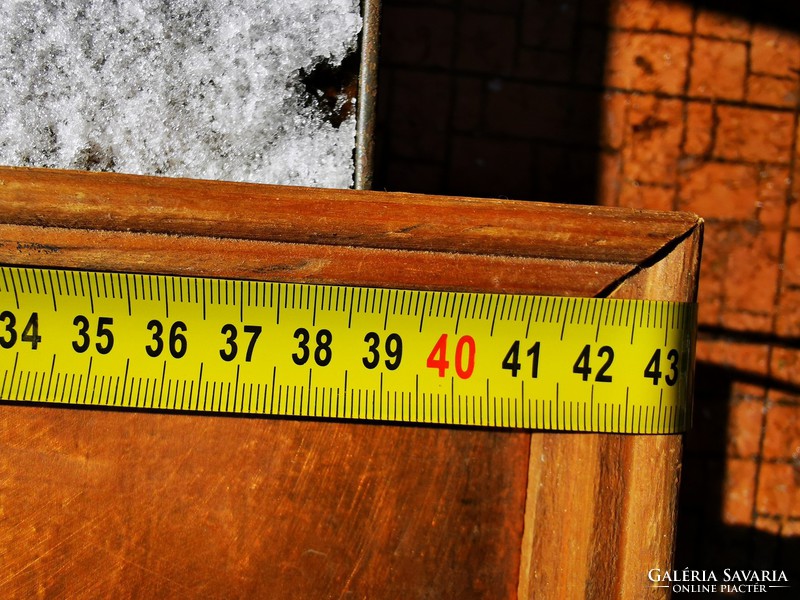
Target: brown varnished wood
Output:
[
  {"x": 99, "y": 503},
  {"x": 618, "y": 497},
  {"x": 340, "y": 217},
  {"x": 121, "y": 504},
  {"x": 651, "y": 465},
  {"x": 309, "y": 263}
]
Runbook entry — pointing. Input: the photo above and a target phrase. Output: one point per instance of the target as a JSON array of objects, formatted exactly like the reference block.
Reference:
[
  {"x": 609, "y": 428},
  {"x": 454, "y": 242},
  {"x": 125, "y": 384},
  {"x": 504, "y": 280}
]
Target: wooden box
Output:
[{"x": 97, "y": 503}]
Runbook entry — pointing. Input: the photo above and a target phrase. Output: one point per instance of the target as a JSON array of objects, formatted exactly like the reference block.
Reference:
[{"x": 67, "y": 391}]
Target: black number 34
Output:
[{"x": 30, "y": 332}]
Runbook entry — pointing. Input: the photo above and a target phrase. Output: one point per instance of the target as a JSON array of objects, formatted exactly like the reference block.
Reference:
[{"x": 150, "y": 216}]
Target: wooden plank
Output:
[
  {"x": 92, "y": 501},
  {"x": 309, "y": 263},
  {"x": 606, "y": 505},
  {"x": 339, "y": 217}
]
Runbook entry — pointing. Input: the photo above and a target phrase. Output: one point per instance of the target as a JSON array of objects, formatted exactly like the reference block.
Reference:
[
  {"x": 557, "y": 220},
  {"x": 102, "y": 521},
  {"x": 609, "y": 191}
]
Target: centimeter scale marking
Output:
[{"x": 326, "y": 351}]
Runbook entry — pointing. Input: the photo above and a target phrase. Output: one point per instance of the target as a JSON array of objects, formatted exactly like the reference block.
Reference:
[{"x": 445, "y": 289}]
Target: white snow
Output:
[{"x": 189, "y": 88}]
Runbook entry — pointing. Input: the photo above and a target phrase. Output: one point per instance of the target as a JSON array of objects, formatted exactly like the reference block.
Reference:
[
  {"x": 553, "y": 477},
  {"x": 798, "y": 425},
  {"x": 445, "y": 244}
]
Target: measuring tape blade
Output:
[{"x": 343, "y": 352}]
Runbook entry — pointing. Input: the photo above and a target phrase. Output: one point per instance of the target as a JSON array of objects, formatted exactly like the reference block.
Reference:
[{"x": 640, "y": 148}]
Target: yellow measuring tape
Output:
[{"x": 233, "y": 346}]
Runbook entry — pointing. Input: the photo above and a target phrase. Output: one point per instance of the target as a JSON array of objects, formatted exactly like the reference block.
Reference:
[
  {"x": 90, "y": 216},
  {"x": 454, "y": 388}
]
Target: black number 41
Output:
[{"x": 512, "y": 363}]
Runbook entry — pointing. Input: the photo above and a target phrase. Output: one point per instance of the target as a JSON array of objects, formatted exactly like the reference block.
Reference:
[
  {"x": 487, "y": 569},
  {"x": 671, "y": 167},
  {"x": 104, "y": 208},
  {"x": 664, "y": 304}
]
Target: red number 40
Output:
[{"x": 437, "y": 359}]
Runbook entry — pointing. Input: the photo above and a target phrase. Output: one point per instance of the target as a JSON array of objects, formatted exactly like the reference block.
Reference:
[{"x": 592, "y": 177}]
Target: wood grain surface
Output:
[
  {"x": 97, "y": 503},
  {"x": 619, "y": 500}
]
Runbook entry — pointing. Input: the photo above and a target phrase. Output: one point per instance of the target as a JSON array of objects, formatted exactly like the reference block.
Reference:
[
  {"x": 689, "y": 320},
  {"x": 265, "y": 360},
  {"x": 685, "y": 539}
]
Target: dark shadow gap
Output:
[
  {"x": 779, "y": 14},
  {"x": 704, "y": 540},
  {"x": 491, "y": 99}
]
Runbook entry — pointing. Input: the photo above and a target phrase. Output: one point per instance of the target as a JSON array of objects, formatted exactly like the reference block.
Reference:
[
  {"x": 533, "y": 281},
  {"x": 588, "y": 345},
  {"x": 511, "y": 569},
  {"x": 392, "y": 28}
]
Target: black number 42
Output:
[{"x": 582, "y": 368}]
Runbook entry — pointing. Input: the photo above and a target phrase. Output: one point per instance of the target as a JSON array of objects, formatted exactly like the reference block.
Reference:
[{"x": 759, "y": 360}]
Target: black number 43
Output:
[{"x": 653, "y": 368}]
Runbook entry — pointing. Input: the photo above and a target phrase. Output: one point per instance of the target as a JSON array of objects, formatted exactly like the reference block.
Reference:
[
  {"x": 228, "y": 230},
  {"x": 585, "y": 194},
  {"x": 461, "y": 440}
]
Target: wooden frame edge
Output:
[{"x": 606, "y": 551}]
